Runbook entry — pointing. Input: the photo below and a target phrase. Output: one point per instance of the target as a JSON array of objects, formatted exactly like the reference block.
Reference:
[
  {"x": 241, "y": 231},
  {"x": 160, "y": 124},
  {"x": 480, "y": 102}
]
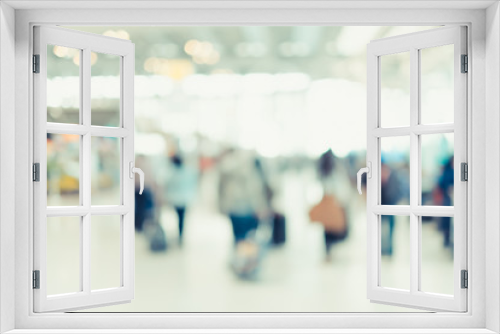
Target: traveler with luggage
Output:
[
  {"x": 242, "y": 195},
  {"x": 330, "y": 211}
]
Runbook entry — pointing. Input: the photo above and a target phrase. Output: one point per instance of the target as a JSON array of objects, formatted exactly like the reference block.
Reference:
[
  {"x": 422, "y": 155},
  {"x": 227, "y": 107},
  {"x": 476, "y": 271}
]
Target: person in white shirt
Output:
[{"x": 181, "y": 188}]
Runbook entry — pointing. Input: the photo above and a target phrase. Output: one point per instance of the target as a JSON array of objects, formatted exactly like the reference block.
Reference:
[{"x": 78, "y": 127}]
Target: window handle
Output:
[
  {"x": 368, "y": 171},
  {"x": 134, "y": 170}
]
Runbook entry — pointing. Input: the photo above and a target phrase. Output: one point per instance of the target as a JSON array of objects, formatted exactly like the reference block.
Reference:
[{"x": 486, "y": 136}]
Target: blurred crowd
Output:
[{"x": 247, "y": 189}]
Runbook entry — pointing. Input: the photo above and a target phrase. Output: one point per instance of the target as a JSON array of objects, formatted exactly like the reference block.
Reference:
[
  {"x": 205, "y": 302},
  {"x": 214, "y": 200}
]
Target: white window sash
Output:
[
  {"x": 413, "y": 43},
  {"x": 87, "y": 43}
]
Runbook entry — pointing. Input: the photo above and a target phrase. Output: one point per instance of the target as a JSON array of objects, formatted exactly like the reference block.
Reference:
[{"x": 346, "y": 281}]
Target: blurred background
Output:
[{"x": 250, "y": 139}]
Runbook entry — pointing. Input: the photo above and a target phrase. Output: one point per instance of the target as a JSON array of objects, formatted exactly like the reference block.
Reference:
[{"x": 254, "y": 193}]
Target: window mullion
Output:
[
  {"x": 69, "y": 129},
  {"x": 402, "y": 210},
  {"x": 433, "y": 129},
  {"x": 406, "y": 210},
  {"x": 417, "y": 129},
  {"x": 414, "y": 170},
  {"x": 72, "y": 211},
  {"x": 86, "y": 167},
  {"x": 103, "y": 131},
  {"x": 65, "y": 211}
]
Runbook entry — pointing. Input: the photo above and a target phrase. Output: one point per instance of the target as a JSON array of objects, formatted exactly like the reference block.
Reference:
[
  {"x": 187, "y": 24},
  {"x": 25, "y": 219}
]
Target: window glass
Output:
[
  {"x": 63, "y": 84},
  {"x": 395, "y": 252},
  {"x": 105, "y": 87},
  {"x": 63, "y": 255},
  {"x": 105, "y": 240},
  {"x": 105, "y": 156},
  {"x": 395, "y": 170},
  {"x": 437, "y": 84},
  {"x": 63, "y": 169},
  {"x": 395, "y": 90},
  {"x": 437, "y": 255},
  {"x": 438, "y": 176}
]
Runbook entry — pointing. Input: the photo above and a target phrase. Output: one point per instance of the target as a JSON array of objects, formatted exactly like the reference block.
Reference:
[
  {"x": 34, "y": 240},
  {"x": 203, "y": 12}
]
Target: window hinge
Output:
[
  {"x": 465, "y": 64},
  {"x": 464, "y": 279},
  {"x": 464, "y": 171},
  {"x": 36, "y": 63},
  {"x": 36, "y": 172},
  {"x": 36, "y": 279}
]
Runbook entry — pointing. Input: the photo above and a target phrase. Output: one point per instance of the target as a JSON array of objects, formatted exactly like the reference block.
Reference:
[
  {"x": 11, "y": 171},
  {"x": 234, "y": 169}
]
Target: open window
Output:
[
  {"x": 482, "y": 42},
  {"x": 400, "y": 126},
  {"x": 67, "y": 128}
]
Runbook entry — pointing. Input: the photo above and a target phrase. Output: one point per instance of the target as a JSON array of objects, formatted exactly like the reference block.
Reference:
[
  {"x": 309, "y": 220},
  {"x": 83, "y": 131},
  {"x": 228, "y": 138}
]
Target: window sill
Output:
[{"x": 248, "y": 331}]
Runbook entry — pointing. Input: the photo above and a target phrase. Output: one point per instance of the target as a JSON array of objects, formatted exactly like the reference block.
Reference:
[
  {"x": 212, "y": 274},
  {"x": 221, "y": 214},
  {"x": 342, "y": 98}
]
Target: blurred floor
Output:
[{"x": 295, "y": 278}]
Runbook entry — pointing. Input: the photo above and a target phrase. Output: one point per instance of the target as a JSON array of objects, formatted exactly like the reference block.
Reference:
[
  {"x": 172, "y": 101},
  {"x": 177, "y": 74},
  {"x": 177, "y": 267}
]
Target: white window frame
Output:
[
  {"x": 124, "y": 50},
  {"x": 483, "y": 125},
  {"x": 413, "y": 44}
]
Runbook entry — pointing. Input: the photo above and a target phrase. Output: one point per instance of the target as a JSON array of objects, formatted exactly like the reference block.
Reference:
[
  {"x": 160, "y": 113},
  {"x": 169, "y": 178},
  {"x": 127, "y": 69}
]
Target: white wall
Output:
[
  {"x": 492, "y": 164},
  {"x": 7, "y": 159}
]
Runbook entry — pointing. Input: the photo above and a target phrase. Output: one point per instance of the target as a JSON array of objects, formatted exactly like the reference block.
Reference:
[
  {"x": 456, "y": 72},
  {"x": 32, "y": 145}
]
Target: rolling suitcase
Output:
[
  {"x": 158, "y": 240},
  {"x": 156, "y": 236},
  {"x": 279, "y": 229}
]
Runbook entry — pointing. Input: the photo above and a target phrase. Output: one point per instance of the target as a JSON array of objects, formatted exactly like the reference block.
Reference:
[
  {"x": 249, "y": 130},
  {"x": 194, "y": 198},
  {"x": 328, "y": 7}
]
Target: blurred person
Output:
[
  {"x": 391, "y": 194},
  {"x": 271, "y": 182},
  {"x": 145, "y": 203},
  {"x": 146, "y": 215},
  {"x": 268, "y": 191},
  {"x": 334, "y": 178},
  {"x": 326, "y": 164},
  {"x": 181, "y": 189},
  {"x": 144, "y": 206},
  {"x": 330, "y": 211},
  {"x": 242, "y": 194},
  {"x": 442, "y": 196}
]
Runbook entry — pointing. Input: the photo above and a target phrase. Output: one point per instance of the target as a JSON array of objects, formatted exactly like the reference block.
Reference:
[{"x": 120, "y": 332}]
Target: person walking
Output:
[
  {"x": 445, "y": 189},
  {"x": 181, "y": 189},
  {"x": 242, "y": 193},
  {"x": 330, "y": 211},
  {"x": 391, "y": 193}
]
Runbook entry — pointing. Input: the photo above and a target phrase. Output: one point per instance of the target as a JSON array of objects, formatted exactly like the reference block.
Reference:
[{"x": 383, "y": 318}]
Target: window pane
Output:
[
  {"x": 437, "y": 169},
  {"x": 105, "y": 152},
  {"x": 63, "y": 84},
  {"x": 106, "y": 252},
  {"x": 437, "y": 84},
  {"x": 63, "y": 255},
  {"x": 63, "y": 169},
  {"x": 395, "y": 90},
  {"x": 105, "y": 89},
  {"x": 395, "y": 170},
  {"x": 437, "y": 255},
  {"x": 395, "y": 252}
]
